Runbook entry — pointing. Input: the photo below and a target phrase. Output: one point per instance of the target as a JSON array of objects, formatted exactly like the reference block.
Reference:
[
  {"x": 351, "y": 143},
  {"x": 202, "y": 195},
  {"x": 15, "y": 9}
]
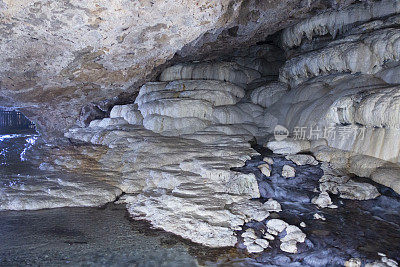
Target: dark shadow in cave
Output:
[{"x": 14, "y": 122}]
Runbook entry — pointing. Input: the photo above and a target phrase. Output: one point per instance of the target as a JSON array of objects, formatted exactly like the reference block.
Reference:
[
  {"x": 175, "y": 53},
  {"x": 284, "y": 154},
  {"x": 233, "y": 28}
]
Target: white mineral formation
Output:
[
  {"x": 293, "y": 234},
  {"x": 289, "y": 146},
  {"x": 334, "y": 22},
  {"x": 288, "y": 171},
  {"x": 104, "y": 123},
  {"x": 268, "y": 236},
  {"x": 188, "y": 106},
  {"x": 180, "y": 168},
  {"x": 289, "y": 246},
  {"x": 30, "y": 193},
  {"x": 222, "y": 71},
  {"x": 181, "y": 181},
  {"x": 268, "y": 94},
  {"x": 130, "y": 113}
]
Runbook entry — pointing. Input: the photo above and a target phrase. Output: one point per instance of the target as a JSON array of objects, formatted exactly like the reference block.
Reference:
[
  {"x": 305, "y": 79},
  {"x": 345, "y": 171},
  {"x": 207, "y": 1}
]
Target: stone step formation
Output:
[{"x": 175, "y": 148}]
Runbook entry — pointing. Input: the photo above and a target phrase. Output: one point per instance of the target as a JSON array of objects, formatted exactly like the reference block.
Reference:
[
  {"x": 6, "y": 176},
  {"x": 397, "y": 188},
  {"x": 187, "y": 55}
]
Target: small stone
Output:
[
  {"x": 250, "y": 234},
  {"x": 289, "y": 146},
  {"x": 265, "y": 169},
  {"x": 353, "y": 262},
  {"x": 384, "y": 262},
  {"x": 268, "y": 160},
  {"x": 269, "y": 236},
  {"x": 289, "y": 246},
  {"x": 254, "y": 248},
  {"x": 358, "y": 191},
  {"x": 333, "y": 178},
  {"x": 273, "y": 205},
  {"x": 301, "y": 159},
  {"x": 262, "y": 242},
  {"x": 329, "y": 187},
  {"x": 389, "y": 262},
  {"x": 322, "y": 201},
  {"x": 276, "y": 225},
  {"x": 319, "y": 217},
  {"x": 248, "y": 241},
  {"x": 294, "y": 233},
  {"x": 288, "y": 171},
  {"x": 303, "y": 224}
]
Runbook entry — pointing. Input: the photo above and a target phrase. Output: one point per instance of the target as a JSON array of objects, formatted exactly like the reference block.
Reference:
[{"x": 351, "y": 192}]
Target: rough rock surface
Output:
[
  {"x": 380, "y": 171},
  {"x": 341, "y": 68},
  {"x": 288, "y": 171},
  {"x": 186, "y": 185},
  {"x": 301, "y": 159},
  {"x": 176, "y": 172},
  {"x": 63, "y": 56}
]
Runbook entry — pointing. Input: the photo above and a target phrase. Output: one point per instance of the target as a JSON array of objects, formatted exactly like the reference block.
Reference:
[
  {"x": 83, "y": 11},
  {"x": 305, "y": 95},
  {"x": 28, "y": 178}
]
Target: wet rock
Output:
[
  {"x": 384, "y": 262},
  {"x": 265, "y": 169},
  {"x": 268, "y": 236},
  {"x": 319, "y": 217},
  {"x": 251, "y": 210},
  {"x": 276, "y": 226},
  {"x": 301, "y": 159},
  {"x": 293, "y": 233},
  {"x": 268, "y": 160},
  {"x": 359, "y": 191},
  {"x": 254, "y": 248},
  {"x": 272, "y": 205},
  {"x": 322, "y": 201},
  {"x": 262, "y": 242},
  {"x": 249, "y": 233},
  {"x": 353, "y": 262},
  {"x": 288, "y": 171},
  {"x": 289, "y": 246}
]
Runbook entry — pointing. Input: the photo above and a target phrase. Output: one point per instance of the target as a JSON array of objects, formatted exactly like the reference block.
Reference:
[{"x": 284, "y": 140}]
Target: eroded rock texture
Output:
[
  {"x": 58, "y": 56},
  {"x": 342, "y": 74},
  {"x": 173, "y": 145},
  {"x": 172, "y": 152}
]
